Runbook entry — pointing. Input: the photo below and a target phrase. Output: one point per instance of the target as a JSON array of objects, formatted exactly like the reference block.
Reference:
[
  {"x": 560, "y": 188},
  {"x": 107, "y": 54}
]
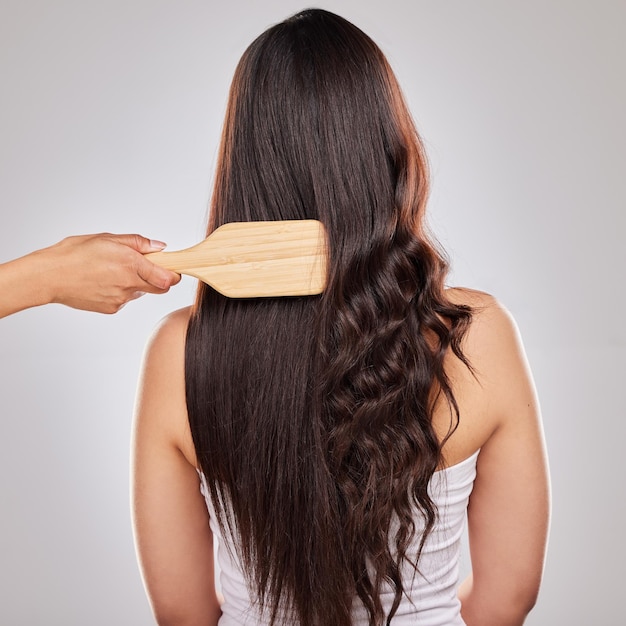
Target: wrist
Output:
[
  {"x": 23, "y": 285},
  {"x": 39, "y": 277}
]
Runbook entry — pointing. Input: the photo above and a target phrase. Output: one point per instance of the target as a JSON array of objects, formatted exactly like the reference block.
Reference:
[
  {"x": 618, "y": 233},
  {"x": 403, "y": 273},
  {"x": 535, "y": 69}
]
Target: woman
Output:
[{"x": 336, "y": 439}]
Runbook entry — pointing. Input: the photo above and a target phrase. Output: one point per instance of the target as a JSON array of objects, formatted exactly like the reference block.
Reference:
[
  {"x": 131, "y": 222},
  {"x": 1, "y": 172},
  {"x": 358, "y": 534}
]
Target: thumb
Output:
[
  {"x": 156, "y": 276},
  {"x": 139, "y": 243}
]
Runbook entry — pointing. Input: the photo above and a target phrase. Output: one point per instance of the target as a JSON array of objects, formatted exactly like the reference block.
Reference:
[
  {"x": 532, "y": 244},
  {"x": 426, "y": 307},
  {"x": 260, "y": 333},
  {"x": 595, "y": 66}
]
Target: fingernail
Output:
[{"x": 157, "y": 245}]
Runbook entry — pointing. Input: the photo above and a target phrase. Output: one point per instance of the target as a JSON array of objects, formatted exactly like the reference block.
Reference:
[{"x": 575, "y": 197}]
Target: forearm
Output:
[{"x": 24, "y": 283}]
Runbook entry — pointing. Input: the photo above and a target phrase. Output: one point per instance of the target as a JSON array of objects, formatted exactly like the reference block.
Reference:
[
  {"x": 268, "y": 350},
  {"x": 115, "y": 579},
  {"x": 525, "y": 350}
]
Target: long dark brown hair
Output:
[{"x": 311, "y": 416}]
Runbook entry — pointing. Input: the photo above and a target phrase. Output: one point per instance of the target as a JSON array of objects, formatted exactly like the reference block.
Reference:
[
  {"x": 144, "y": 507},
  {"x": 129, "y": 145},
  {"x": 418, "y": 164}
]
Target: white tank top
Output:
[{"x": 431, "y": 596}]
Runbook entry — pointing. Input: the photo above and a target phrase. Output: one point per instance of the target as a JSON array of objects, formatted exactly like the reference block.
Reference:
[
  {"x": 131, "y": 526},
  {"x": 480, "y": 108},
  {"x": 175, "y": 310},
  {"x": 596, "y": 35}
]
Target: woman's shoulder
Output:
[
  {"x": 169, "y": 333},
  {"x": 492, "y": 344},
  {"x": 162, "y": 387},
  {"x": 491, "y": 392},
  {"x": 174, "y": 322},
  {"x": 165, "y": 349},
  {"x": 492, "y": 324},
  {"x": 479, "y": 301}
]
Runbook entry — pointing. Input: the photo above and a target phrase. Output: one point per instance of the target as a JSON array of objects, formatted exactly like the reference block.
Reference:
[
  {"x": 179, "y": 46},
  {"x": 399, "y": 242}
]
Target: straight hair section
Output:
[{"x": 311, "y": 416}]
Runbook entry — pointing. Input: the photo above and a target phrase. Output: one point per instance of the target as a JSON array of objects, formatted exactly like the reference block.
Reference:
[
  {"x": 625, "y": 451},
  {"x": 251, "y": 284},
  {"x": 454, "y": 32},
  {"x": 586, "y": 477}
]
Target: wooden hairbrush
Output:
[{"x": 256, "y": 259}]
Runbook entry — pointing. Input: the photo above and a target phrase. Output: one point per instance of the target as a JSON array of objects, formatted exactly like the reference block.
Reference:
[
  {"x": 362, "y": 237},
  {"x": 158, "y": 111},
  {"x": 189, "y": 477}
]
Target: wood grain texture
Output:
[{"x": 256, "y": 259}]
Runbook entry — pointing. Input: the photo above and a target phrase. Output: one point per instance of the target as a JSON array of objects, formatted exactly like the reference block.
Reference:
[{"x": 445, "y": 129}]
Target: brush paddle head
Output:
[{"x": 256, "y": 259}]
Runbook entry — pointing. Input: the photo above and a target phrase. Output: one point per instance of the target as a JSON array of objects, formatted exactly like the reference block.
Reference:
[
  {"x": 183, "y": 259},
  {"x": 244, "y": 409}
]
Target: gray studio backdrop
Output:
[{"x": 110, "y": 118}]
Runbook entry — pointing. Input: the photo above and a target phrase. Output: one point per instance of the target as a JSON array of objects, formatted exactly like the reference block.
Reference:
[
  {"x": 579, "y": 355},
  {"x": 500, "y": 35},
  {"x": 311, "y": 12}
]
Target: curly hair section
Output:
[{"x": 312, "y": 417}]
